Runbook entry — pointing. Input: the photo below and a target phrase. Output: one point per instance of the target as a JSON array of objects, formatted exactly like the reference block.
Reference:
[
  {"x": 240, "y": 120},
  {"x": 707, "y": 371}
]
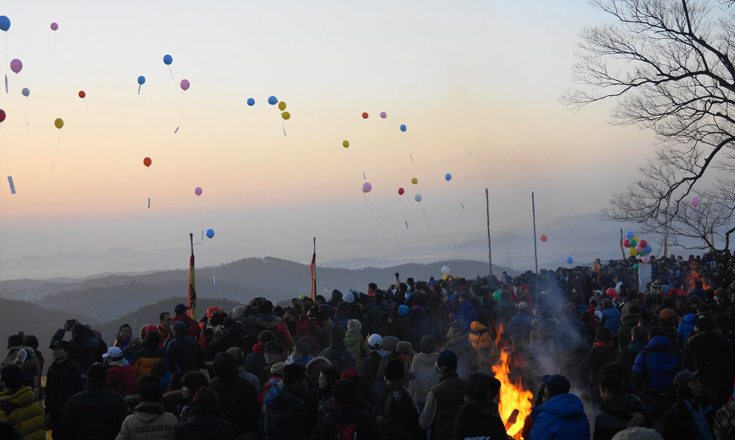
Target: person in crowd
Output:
[
  {"x": 120, "y": 374},
  {"x": 93, "y": 414},
  {"x": 19, "y": 406},
  {"x": 483, "y": 340},
  {"x": 479, "y": 416},
  {"x": 64, "y": 379},
  {"x": 327, "y": 378},
  {"x": 355, "y": 342},
  {"x": 337, "y": 353},
  {"x": 181, "y": 316},
  {"x": 626, "y": 357},
  {"x": 400, "y": 415},
  {"x": 423, "y": 371},
  {"x": 347, "y": 420},
  {"x": 83, "y": 343},
  {"x": 570, "y": 341},
  {"x": 191, "y": 382},
  {"x": 458, "y": 343},
  {"x": 237, "y": 354},
  {"x": 302, "y": 352},
  {"x": 655, "y": 368},
  {"x": 184, "y": 353},
  {"x": 611, "y": 318},
  {"x": 603, "y": 351},
  {"x": 285, "y": 415},
  {"x": 703, "y": 352},
  {"x": 618, "y": 408},
  {"x": 691, "y": 417},
  {"x": 272, "y": 354},
  {"x": 235, "y": 336},
  {"x": 562, "y": 415},
  {"x": 520, "y": 324},
  {"x": 149, "y": 355},
  {"x": 237, "y": 397},
  {"x": 149, "y": 420},
  {"x": 125, "y": 341},
  {"x": 165, "y": 321},
  {"x": 205, "y": 421},
  {"x": 444, "y": 399}
]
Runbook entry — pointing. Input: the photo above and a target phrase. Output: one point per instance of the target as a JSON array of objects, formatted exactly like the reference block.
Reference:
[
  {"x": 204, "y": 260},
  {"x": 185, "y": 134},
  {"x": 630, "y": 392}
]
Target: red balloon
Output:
[
  {"x": 364, "y": 115},
  {"x": 82, "y": 94},
  {"x": 2, "y": 115},
  {"x": 147, "y": 161},
  {"x": 643, "y": 244},
  {"x": 544, "y": 237},
  {"x": 626, "y": 243},
  {"x": 400, "y": 190},
  {"x": 611, "y": 292}
]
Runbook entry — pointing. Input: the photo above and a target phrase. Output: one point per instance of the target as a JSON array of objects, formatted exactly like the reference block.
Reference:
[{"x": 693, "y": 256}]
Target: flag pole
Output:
[
  {"x": 192, "y": 296},
  {"x": 489, "y": 245},
  {"x": 313, "y": 273}
]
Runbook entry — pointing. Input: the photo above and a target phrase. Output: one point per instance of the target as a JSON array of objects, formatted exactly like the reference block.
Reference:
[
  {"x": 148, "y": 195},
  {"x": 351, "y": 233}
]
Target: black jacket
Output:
[
  {"x": 400, "y": 415},
  {"x": 478, "y": 419},
  {"x": 94, "y": 414},
  {"x": 62, "y": 381},
  {"x": 206, "y": 425}
]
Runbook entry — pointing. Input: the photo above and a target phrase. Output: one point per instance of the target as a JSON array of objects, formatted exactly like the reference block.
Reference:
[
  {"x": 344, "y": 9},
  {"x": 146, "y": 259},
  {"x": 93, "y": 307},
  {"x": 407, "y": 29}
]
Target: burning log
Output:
[{"x": 511, "y": 420}]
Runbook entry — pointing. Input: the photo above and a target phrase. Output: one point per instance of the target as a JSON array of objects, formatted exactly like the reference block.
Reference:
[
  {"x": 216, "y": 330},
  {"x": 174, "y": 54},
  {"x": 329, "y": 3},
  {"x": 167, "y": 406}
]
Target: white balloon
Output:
[{"x": 445, "y": 270}]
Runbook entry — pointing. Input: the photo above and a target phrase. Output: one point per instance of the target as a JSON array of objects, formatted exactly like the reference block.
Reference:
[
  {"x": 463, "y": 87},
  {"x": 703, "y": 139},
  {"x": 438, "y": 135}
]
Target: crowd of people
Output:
[{"x": 604, "y": 358}]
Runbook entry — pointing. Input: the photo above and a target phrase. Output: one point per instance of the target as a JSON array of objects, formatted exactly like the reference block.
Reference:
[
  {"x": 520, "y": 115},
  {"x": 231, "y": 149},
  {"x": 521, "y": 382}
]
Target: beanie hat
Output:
[
  {"x": 237, "y": 354},
  {"x": 344, "y": 391},
  {"x": 446, "y": 359},
  {"x": 348, "y": 297},
  {"x": 206, "y": 398},
  {"x": 479, "y": 383},
  {"x": 277, "y": 368},
  {"x": 354, "y": 325},
  {"x": 375, "y": 341},
  {"x": 403, "y": 310},
  {"x": 394, "y": 370},
  {"x": 668, "y": 314}
]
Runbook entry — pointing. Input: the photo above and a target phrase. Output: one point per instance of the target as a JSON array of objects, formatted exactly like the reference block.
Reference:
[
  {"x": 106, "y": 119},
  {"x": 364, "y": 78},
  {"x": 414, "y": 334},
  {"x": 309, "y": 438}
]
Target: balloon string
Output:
[
  {"x": 457, "y": 196},
  {"x": 53, "y": 49},
  {"x": 57, "y": 152},
  {"x": 149, "y": 188},
  {"x": 358, "y": 165},
  {"x": 172, "y": 73},
  {"x": 284, "y": 128},
  {"x": 181, "y": 116},
  {"x": 23, "y": 102},
  {"x": 368, "y": 206},
  {"x": 139, "y": 86},
  {"x": 201, "y": 213}
]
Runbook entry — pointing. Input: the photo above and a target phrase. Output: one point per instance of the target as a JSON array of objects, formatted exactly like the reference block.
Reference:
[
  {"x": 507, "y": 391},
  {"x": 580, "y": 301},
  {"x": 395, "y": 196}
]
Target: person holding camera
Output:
[{"x": 83, "y": 342}]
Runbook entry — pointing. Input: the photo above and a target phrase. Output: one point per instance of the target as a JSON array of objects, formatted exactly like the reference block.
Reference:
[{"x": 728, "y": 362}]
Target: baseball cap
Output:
[
  {"x": 181, "y": 307},
  {"x": 684, "y": 377},
  {"x": 59, "y": 343},
  {"x": 522, "y": 305},
  {"x": 405, "y": 347},
  {"x": 113, "y": 352},
  {"x": 375, "y": 341}
]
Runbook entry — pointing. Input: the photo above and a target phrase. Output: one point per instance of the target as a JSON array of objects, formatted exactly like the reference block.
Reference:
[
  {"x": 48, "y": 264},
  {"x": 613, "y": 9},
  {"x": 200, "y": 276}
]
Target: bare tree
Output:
[{"x": 668, "y": 65}]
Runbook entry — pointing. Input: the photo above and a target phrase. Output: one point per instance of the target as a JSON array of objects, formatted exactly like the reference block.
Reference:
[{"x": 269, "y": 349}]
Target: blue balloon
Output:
[
  {"x": 629, "y": 235},
  {"x": 4, "y": 23},
  {"x": 648, "y": 249},
  {"x": 168, "y": 59},
  {"x": 272, "y": 100},
  {"x": 678, "y": 272},
  {"x": 141, "y": 80},
  {"x": 251, "y": 102},
  {"x": 403, "y": 127},
  {"x": 26, "y": 91},
  {"x": 570, "y": 260},
  {"x": 448, "y": 177},
  {"x": 210, "y": 233}
]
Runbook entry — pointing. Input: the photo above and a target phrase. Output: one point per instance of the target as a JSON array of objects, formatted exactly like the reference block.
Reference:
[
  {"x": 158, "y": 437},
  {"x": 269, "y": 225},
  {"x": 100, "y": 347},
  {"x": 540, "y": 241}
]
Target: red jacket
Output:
[{"x": 194, "y": 329}]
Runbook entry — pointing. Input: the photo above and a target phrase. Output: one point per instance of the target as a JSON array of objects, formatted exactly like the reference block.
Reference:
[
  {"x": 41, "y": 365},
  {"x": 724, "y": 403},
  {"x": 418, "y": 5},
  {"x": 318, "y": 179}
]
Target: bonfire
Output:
[{"x": 515, "y": 400}]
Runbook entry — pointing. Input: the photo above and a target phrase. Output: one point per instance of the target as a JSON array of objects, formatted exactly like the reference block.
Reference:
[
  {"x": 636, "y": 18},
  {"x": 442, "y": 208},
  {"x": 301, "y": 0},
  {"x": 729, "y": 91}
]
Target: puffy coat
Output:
[
  {"x": 481, "y": 338},
  {"x": 269, "y": 321},
  {"x": 656, "y": 366},
  {"x": 400, "y": 416},
  {"x": 478, "y": 419},
  {"x": 24, "y": 413},
  {"x": 612, "y": 319},
  {"x": 424, "y": 376},
  {"x": 149, "y": 421},
  {"x": 348, "y": 422},
  {"x": 63, "y": 380},
  {"x": 185, "y": 354},
  {"x": 685, "y": 327},
  {"x": 144, "y": 359},
  {"x": 284, "y": 415},
  {"x": 357, "y": 345},
  {"x": 237, "y": 397},
  {"x": 194, "y": 329},
  {"x": 561, "y": 417},
  {"x": 121, "y": 379},
  {"x": 339, "y": 356}
]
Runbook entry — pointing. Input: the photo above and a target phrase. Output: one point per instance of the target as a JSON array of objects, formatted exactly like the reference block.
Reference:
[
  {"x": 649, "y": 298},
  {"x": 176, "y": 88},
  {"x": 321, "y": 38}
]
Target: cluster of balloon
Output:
[
  {"x": 210, "y": 233},
  {"x": 284, "y": 114},
  {"x": 544, "y": 237},
  {"x": 367, "y": 187},
  {"x": 637, "y": 246}
]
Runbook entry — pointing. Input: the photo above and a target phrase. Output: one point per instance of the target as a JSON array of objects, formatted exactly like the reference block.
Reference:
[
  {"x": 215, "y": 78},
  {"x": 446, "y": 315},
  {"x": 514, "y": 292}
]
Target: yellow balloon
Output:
[
  {"x": 414, "y": 181},
  {"x": 59, "y": 122},
  {"x": 345, "y": 144},
  {"x": 286, "y": 115},
  {"x": 281, "y": 106},
  {"x": 633, "y": 252},
  {"x": 635, "y": 237}
]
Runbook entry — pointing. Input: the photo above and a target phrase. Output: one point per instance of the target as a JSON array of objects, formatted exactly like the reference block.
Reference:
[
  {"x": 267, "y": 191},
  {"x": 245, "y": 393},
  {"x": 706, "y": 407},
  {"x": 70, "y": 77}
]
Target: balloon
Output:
[
  {"x": 198, "y": 191},
  {"x": 185, "y": 84},
  {"x": 570, "y": 260},
  {"x": 633, "y": 243},
  {"x": 364, "y": 115},
  {"x": 251, "y": 102},
  {"x": 168, "y": 59},
  {"x": 626, "y": 243},
  {"x": 2, "y": 115},
  {"x": 414, "y": 181},
  {"x": 58, "y": 123},
  {"x": 210, "y": 233},
  {"x": 629, "y": 235},
  {"x": 646, "y": 259},
  {"x": 286, "y": 115},
  {"x": 383, "y": 115},
  {"x": 272, "y": 100},
  {"x": 281, "y": 106},
  {"x": 694, "y": 201},
  {"x": 643, "y": 243},
  {"x": 82, "y": 94},
  {"x": 632, "y": 251},
  {"x": 16, "y": 65},
  {"x": 635, "y": 237},
  {"x": 403, "y": 128},
  {"x": 448, "y": 177},
  {"x": 635, "y": 267},
  {"x": 26, "y": 91},
  {"x": 445, "y": 270},
  {"x": 544, "y": 237},
  {"x": 366, "y": 187},
  {"x": 147, "y": 161},
  {"x": 648, "y": 249},
  {"x": 417, "y": 197},
  {"x": 4, "y": 23},
  {"x": 400, "y": 190},
  {"x": 141, "y": 80},
  {"x": 611, "y": 292},
  {"x": 345, "y": 144}
]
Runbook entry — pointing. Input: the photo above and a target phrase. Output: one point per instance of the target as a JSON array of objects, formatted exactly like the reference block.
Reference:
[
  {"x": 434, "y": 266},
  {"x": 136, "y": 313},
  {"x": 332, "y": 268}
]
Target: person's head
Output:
[
  {"x": 456, "y": 328},
  {"x": 180, "y": 329},
  {"x": 164, "y": 319},
  {"x": 224, "y": 365},
  {"x": 603, "y": 334},
  {"x": 293, "y": 376},
  {"x": 181, "y": 309},
  {"x": 150, "y": 392},
  {"x": 273, "y": 352},
  {"x": 344, "y": 392},
  {"x": 639, "y": 333},
  {"x": 303, "y": 347},
  {"x": 375, "y": 341},
  {"x": 482, "y": 387},
  {"x": 405, "y": 351},
  {"x": 354, "y": 325},
  {"x": 114, "y": 354},
  {"x": 555, "y": 385},
  {"x": 316, "y": 365},
  {"x": 30, "y": 341},
  {"x": 191, "y": 382},
  {"x": 15, "y": 341},
  {"x": 59, "y": 350},
  {"x": 125, "y": 332},
  {"x": 96, "y": 376},
  {"x": 610, "y": 385},
  {"x": 152, "y": 339},
  {"x": 446, "y": 362},
  {"x": 327, "y": 377},
  {"x": 337, "y": 335},
  {"x": 206, "y": 398},
  {"x": 687, "y": 386},
  {"x": 394, "y": 370},
  {"x": 428, "y": 344},
  {"x": 12, "y": 375}
]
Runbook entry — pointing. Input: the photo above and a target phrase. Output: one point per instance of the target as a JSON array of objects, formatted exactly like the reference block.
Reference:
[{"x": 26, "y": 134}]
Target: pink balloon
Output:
[
  {"x": 185, "y": 84},
  {"x": 646, "y": 259},
  {"x": 16, "y": 66},
  {"x": 695, "y": 200},
  {"x": 54, "y": 26},
  {"x": 383, "y": 115},
  {"x": 367, "y": 187},
  {"x": 198, "y": 191}
]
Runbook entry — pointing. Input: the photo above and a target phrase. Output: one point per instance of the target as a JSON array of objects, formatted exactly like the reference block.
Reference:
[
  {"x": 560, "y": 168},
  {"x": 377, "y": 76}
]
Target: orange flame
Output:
[
  {"x": 696, "y": 275},
  {"x": 513, "y": 395}
]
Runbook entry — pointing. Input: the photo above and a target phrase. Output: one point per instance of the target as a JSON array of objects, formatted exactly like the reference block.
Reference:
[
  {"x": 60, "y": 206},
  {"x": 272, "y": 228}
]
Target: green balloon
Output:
[
  {"x": 635, "y": 267},
  {"x": 633, "y": 243}
]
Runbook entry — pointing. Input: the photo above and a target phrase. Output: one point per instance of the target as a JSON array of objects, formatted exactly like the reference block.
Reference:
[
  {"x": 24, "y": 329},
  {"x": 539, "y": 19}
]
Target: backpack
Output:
[{"x": 347, "y": 432}]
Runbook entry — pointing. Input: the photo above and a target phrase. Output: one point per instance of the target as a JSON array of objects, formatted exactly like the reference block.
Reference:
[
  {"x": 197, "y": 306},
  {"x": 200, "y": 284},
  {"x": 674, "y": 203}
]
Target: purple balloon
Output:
[
  {"x": 198, "y": 191},
  {"x": 54, "y": 26},
  {"x": 185, "y": 84},
  {"x": 16, "y": 66},
  {"x": 383, "y": 115},
  {"x": 367, "y": 187}
]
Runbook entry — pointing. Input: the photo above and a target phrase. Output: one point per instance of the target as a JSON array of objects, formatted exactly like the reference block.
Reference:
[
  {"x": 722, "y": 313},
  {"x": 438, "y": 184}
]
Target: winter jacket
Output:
[
  {"x": 357, "y": 345},
  {"x": 481, "y": 338},
  {"x": 615, "y": 415},
  {"x": 400, "y": 416},
  {"x": 708, "y": 353},
  {"x": 269, "y": 321},
  {"x": 599, "y": 355},
  {"x": 685, "y": 327},
  {"x": 626, "y": 357},
  {"x": 466, "y": 355},
  {"x": 63, "y": 380},
  {"x": 94, "y": 414},
  {"x": 561, "y": 417},
  {"x": 82, "y": 349},
  {"x": 313, "y": 329},
  {"x": 423, "y": 376},
  {"x": 20, "y": 408},
  {"x": 205, "y": 425},
  {"x": 339, "y": 356},
  {"x": 234, "y": 337},
  {"x": 627, "y": 322},
  {"x": 185, "y": 354},
  {"x": 420, "y": 317},
  {"x": 284, "y": 415},
  {"x": 121, "y": 378},
  {"x": 656, "y": 366},
  {"x": 478, "y": 419},
  {"x": 348, "y": 422},
  {"x": 443, "y": 402},
  {"x": 679, "y": 424},
  {"x": 149, "y": 421},
  {"x": 466, "y": 313},
  {"x": 612, "y": 319},
  {"x": 194, "y": 329},
  {"x": 520, "y": 325},
  {"x": 144, "y": 359},
  {"x": 237, "y": 397}
]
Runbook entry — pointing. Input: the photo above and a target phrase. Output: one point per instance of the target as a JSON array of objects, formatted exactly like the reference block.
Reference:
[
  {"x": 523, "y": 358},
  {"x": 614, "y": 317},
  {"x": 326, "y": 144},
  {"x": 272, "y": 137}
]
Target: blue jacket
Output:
[
  {"x": 612, "y": 319},
  {"x": 685, "y": 327},
  {"x": 561, "y": 417},
  {"x": 657, "y": 365}
]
